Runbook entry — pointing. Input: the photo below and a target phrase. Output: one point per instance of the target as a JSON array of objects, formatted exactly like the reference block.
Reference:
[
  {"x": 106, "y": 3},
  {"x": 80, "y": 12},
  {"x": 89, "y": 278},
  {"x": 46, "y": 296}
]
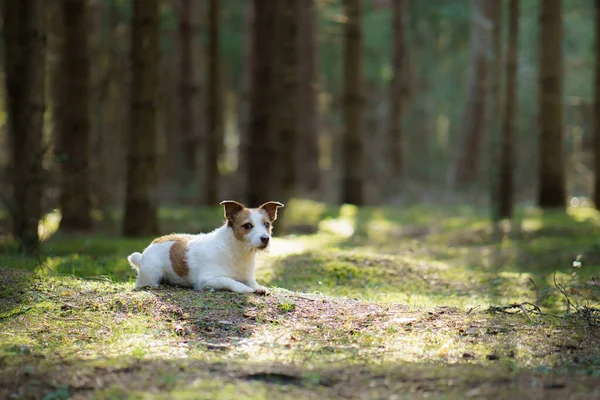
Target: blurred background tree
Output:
[
  {"x": 551, "y": 184},
  {"x": 507, "y": 164},
  {"x": 24, "y": 34},
  {"x": 71, "y": 114},
  {"x": 185, "y": 102},
  {"x": 141, "y": 180}
]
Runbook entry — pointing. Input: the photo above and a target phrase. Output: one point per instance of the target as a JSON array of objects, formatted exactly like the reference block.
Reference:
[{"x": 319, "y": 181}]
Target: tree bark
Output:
[
  {"x": 187, "y": 93},
  {"x": 215, "y": 105},
  {"x": 309, "y": 181},
  {"x": 477, "y": 107},
  {"x": 551, "y": 189},
  {"x": 116, "y": 111},
  {"x": 286, "y": 86},
  {"x": 495, "y": 109},
  {"x": 24, "y": 58},
  {"x": 73, "y": 118},
  {"x": 597, "y": 112},
  {"x": 245, "y": 102},
  {"x": 353, "y": 148},
  {"x": 395, "y": 148},
  {"x": 509, "y": 122},
  {"x": 140, "y": 203},
  {"x": 262, "y": 142}
]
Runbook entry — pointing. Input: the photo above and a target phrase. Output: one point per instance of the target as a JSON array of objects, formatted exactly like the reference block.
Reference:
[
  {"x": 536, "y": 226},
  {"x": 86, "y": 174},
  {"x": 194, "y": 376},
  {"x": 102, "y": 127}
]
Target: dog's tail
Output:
[{"x": 135, "y": 261}]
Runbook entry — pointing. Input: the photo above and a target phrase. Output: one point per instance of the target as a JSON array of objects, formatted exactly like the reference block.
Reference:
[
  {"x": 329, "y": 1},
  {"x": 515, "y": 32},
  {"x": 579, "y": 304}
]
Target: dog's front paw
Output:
[{"x": 261, "y": 290}]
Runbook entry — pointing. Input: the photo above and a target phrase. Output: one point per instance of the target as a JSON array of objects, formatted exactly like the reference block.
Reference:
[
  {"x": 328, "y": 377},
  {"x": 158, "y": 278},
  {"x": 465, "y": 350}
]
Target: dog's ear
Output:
[
  {"x": 231, "y": 208},
  {"x": 271, "y": 209}
]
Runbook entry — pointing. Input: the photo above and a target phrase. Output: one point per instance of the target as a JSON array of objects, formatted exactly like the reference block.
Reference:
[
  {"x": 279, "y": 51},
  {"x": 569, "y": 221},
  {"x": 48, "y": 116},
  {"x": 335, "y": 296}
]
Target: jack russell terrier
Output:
[{"x": 221, "y": 259}]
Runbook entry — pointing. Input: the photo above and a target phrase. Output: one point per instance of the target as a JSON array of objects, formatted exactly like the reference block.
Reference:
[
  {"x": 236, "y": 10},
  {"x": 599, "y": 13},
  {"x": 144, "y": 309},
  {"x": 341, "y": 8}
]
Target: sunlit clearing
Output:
[
  {"x": 302, "y": 211},
  {"x": 338, "y": 227},
  {"x": 49, "y": 224},
  {"x": 348, "y": 211},
  {"x": 531, "y": 224},
  {"x": 380, "y": 228},
  {"x": 581, "y": 210},
  {"x": 344, "y": 225},
  {"x": 285, "y": 247}
]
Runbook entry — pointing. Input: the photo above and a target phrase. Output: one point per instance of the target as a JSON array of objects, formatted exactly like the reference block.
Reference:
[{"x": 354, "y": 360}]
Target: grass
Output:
[{"x": 369, "y": 303}]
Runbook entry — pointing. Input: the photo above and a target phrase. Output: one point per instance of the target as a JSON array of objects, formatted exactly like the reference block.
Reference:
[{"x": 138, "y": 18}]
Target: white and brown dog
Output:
[{"x": 221, "y": 259}]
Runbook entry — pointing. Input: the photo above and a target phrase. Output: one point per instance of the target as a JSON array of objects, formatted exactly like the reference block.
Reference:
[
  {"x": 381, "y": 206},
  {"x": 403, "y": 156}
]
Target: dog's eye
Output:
[
  {"x": 267, "y": 225},
  {"x": 247, "y": 226}
]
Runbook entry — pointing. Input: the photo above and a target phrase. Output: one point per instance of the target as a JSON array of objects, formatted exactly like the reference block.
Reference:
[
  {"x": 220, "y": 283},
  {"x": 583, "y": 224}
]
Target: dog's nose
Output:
[{"x": 264, "y": 239}]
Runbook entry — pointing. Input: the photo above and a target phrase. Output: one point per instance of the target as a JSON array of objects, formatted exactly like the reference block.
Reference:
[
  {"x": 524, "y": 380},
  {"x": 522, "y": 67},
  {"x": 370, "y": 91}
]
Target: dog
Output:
[{"x": 223, "y": 259}]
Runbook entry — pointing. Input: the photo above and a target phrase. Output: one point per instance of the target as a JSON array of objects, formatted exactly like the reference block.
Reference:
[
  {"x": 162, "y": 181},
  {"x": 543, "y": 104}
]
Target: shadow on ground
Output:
[{"x": 128, "y": 378}]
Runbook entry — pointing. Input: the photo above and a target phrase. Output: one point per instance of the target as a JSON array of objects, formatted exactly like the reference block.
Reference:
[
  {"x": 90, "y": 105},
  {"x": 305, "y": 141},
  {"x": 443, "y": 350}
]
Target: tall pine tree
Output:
[{"x": 140, "y": 197}]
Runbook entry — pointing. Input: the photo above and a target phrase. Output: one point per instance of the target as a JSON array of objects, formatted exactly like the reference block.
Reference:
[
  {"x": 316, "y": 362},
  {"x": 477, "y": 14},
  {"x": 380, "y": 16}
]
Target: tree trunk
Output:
[
  {"x": 353, "y": 157},
  {"x": 309, "y": 181},
  {"x": 262, "y": 144},
  {"x": 187, "y": 94},
  {"x": 140, "y": 202},
  {"x": 286, "y": 86},
  {"x": 509, "y": 122},
  {"x": 98, "y": 99},
  {"x": 495, "y": 109},
  {"x": 597, "y": 112},
  {"x": 215, "y": 105},
  {"x": 422, "y": 56},
  {"x": 551, "y": 189},
  {"x": 115, "y": 117},
  {"x": 24, "y": 58},
  {"x": 245, "y": 102},
  {"x": 477, "y": 107},
  {"x": 73, "y": 118},
  {"x": 395, "y": 148}
]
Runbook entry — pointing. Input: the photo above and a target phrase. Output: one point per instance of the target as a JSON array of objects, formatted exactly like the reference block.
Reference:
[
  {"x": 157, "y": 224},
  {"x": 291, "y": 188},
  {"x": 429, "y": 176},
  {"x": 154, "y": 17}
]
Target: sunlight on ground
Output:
[
  {"x": 291, "y": 245},
  {"x": 583, "y": 213},
  {"x": 340, "y": 227},
  {"x": 49, "y": 224},
  {"x": 343, "y": 226},
  {"x": 531, "y": 224},
  {"x": 285, "y": 247}
]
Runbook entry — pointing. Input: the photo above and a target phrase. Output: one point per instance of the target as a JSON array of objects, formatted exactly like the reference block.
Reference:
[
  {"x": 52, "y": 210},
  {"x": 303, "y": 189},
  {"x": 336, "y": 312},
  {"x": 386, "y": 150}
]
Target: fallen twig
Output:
[
  {"x": 537, "y": 293},
  {"x": 564, "y": 293},
  {"x": 526, "y": 308},
  {"x": 522, "y": 307},
  {"x": 473, "y": 309}
]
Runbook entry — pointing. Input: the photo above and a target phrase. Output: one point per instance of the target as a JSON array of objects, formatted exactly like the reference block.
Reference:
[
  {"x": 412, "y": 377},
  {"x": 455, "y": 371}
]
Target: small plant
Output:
[
  {"x": 286, "y": 307},
  {"x": 61, "y": 393}
]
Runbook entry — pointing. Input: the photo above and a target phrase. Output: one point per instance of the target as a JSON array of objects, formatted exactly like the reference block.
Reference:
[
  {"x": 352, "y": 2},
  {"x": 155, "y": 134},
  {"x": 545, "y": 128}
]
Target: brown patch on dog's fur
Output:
[
  {"x": 231, "y": 208},
  {"x": 237, "y": 222},
  {"x": 178, "y": 256},
  {"x": 266, "y": 218},
  {"x": 271, "y": 209},
  {"x": 172, "y": 238},
  {"x": 177, "y": 252}
]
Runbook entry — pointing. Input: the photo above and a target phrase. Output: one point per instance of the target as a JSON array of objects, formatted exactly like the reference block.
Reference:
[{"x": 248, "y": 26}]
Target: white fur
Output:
[{"x": 216, "y": 260}]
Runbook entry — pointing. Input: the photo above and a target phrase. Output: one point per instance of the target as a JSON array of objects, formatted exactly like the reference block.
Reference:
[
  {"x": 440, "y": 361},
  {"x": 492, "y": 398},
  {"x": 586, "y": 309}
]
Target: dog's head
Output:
[{"x": 251, "y": 226}]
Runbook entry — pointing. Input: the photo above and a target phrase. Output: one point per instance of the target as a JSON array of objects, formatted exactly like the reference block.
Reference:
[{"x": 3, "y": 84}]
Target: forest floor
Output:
[{"x": 372, "y": 303}]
